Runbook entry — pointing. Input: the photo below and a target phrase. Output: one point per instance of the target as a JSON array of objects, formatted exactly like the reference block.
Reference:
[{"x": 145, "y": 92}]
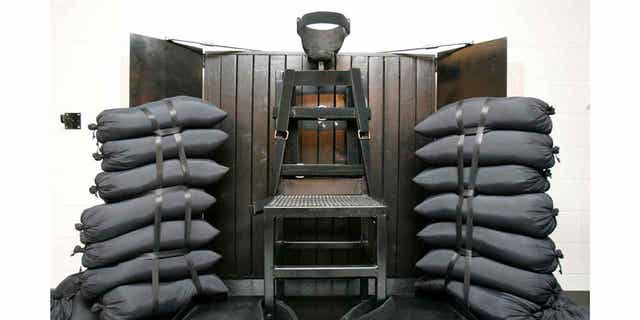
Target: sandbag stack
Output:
[
  {"x": 145, "y": 247},
  {"x": 489, "y": 216}
]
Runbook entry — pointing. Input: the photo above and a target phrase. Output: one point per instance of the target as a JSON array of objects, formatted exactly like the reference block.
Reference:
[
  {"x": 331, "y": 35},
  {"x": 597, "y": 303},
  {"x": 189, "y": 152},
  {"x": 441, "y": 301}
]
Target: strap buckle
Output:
[
  {"x": 167, "y": 131},
  {"x": 364, "y": 135},
  {"x": 282, "y": 135},
  {"x": 468, "y": 193},
  {"x": 321, "y": 119}
]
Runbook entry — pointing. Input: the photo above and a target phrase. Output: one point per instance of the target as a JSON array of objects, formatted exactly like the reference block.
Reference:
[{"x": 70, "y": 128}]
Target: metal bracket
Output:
[
  {"x": 366, "y": 135},
  {"x": 285, "y": 137},
  {"x": 71, "y": 120}
]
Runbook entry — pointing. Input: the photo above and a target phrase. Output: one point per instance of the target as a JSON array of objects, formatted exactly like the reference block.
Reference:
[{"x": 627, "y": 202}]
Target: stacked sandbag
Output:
[
  {"x": 145, "y": 248},
  {"x": 487, "y": 168}
]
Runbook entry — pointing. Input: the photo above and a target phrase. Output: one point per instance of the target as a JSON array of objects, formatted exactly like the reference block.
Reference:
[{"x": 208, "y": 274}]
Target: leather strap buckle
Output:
[
  {"x": 322, "y": 119},
  {"x": 364, "y": 135},
  {"x": 282, "y": 135}
]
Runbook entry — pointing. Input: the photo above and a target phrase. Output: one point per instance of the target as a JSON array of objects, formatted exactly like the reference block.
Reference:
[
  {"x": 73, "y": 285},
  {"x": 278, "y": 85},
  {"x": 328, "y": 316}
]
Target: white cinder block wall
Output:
[{"x": 548, "y": 57}]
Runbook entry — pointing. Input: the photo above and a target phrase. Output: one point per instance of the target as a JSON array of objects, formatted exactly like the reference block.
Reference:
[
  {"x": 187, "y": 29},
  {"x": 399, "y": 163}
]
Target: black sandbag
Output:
[
  {"x": 96, "y": 282},
  {"x": 135, "y": 301},
  {"x": 131, "y": 153},
  {"x": 540, "y": 288},
  {"x": 533, "y": 254},
  {"x": 512, "y": 113},
  {"x": 135, "y": 243},
  {"x": 125, "y": 123},
  {"x": 120, "y": 185},
  {"x": 530, "y": 214},
  {"x": 61, "y": 297},
  {"x": 488, "y": 304},
  {"x": 106, "y": 221},
  {"x": 530, "y": 149},
  {"x": 496, "y": 180},
  {"x": 82, "y": 309}
]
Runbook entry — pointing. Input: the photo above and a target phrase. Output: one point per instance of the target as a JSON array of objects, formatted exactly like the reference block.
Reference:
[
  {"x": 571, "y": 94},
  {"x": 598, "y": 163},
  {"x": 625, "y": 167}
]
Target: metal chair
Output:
[{"x": 298, "y": 198}]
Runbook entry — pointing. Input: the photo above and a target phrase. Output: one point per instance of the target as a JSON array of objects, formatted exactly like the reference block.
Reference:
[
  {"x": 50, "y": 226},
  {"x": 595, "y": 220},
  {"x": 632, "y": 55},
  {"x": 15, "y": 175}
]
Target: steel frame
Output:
[{"x": 329, "y": 206}]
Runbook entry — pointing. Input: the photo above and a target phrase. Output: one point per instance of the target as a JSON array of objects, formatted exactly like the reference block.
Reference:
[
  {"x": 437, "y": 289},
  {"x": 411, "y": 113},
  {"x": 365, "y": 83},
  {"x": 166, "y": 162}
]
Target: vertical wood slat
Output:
[
  {"x": 376, "y": 104},
  {"x": 260, "y": 134},
  {"x": 277, "y": 67},
  {"x": 425, "y": 105},
  {"x": 211, "y": 93},
  {"x": 244, "y": 150},
  {"x": 390, "y": 154},
  {"x": 406, "y": 168},
  {"x": 401, "y": 92},
  {"x": 355, "y": 224},
  {"x": 223, "y": 213}
]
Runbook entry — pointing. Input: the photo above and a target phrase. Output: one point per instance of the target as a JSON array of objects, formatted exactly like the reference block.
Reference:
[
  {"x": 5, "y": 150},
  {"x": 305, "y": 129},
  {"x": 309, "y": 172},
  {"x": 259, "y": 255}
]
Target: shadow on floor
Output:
[{"x": 334, "y": 307}]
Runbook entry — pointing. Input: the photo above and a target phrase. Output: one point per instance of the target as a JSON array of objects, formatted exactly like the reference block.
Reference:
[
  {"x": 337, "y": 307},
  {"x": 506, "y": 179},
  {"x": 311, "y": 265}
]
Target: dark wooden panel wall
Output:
[
  {"x": 161, "y": 69},
  {"x": 401, "y": 92}
]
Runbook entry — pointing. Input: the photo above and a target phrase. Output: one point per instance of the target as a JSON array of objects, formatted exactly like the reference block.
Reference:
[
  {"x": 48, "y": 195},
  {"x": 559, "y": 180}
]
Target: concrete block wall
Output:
[{"x": 548, "y": 57}]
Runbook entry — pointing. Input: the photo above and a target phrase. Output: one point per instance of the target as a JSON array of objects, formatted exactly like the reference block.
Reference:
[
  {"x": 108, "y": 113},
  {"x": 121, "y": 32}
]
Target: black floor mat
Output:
[
  {"x": 234, "y": 308},
  {"x": 410, "y": 308},
  {"x": 325, "y": 308}
]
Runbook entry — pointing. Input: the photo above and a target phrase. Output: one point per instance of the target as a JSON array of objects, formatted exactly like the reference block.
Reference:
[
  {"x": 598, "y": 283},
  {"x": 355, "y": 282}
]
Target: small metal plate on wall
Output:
[{"x": 71, "y": 120}]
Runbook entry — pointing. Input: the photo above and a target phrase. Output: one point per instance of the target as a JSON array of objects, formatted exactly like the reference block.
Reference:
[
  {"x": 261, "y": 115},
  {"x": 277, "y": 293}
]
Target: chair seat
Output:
[{"x": 314, "y": 205}]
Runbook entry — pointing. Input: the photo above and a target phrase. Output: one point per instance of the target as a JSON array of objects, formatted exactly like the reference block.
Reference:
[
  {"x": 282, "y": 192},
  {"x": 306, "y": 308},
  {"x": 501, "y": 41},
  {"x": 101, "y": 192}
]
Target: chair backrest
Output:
[{"x": 303, "y": 178}]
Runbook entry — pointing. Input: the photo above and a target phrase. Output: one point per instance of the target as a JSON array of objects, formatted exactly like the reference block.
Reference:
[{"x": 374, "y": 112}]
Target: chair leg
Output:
[
  {"x": 278, "y": 258},
  {"x": 381, "y": 279},
  {"x": 269, "y": 244},
  {"x": 364, "y": 288}
]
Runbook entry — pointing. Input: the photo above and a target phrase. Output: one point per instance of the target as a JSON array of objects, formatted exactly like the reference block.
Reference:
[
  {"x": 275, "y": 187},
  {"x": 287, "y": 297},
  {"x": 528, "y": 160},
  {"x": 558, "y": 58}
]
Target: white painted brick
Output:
[
  {"x": 566, "y": 97},
  {"x": 515, "y": 79},
  {"x": 574, "y": 163},
  {"x": 576, "y": 257},
  {"x": 586, "y": 227},
  {"x": 565, "y": 23},
  {"x": 571, "y": 130},
  {"x": 62, "y": 264},
  {"x": 64, "y": 219},
  {"x": 552, "y": 64},
  {"x": 574, "y": 281},
  {"x": 570, "y": 195},
  {"x": 569, "y": 227}
]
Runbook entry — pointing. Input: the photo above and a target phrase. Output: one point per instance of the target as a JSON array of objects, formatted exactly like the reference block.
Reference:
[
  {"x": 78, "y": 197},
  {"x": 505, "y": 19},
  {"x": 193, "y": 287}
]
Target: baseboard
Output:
[{"x": 310, "y": 287}]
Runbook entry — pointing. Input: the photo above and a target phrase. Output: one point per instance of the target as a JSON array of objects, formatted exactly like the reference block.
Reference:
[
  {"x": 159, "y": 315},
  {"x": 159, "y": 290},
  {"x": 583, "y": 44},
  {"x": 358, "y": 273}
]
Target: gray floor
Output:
[{"x": 332, "y": 308}]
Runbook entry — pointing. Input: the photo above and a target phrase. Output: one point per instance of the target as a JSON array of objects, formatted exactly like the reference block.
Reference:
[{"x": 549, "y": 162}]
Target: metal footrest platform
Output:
[{"x": 323, "y": 205}]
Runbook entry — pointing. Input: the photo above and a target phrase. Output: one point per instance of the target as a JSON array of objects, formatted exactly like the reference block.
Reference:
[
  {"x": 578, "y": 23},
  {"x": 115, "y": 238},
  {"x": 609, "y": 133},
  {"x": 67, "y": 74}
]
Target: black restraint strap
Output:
[
  {"x": 158, "y": 148},
  {"x": 157, "y": 228},
  {"x": 466, "y": 193},
  {"x": 282, "y": 126},
  {"x": 187, "y": 240},
  {"x": 182, "y": 155},
  {"x": 460, "y": 154},
  {"x": 450, "y": 266},
  {"x": 157, "y": 233}
]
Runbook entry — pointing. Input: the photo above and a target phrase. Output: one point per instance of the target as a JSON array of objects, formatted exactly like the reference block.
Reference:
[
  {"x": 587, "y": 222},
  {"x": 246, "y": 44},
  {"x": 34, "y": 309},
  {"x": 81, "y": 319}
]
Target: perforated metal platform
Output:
[{"x": 323, "y": 201}]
